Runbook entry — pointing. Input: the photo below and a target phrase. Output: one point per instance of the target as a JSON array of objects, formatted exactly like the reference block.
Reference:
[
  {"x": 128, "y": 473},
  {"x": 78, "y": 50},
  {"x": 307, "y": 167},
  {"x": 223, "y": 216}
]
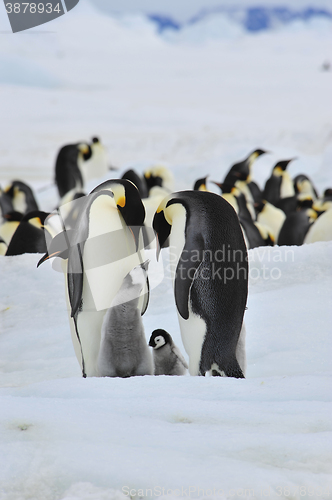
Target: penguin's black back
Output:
[
  {"x": 28, "y": 238},
  {"x": 67, "y": 173},
  {"x": 294, "y": 229},
  {"x": 139, "y": 182},
  {"x": 213, "y": 229}
]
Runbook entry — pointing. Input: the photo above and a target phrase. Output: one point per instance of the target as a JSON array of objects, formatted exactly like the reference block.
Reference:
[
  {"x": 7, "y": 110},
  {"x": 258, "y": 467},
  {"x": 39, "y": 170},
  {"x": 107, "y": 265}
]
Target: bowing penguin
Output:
[
  {"x": 102, "y": 248},
  {"x": 22, "y": 197},
  {"x": 123, "y": 350},
  {"x": 159, "y": 176},
  {"x": 167, "y": 358},
  {"x": 139, "y": 182},
  {"x": 208, "y": 258},
  {"x": 31, "y": 235}
]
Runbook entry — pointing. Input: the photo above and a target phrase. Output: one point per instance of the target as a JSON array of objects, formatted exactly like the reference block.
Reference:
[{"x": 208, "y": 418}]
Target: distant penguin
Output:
[
  {"x": 159, "y": 176},
  {"x": 123, "y": 349},
  {"x": 209, "y": 266},
  {"x": 271, "y": 217},
  {"x": 102, "y": 248},
  {"x": 167, "y": 358},
  {"x": 200, "y": 184},
  {"x": 9, "y": 225},
  {"x": 95, "y": 164},
  {"x": 321, "y": 229},
  {"x": 68, "y": 175},
  {"x": 139, "y": 182},
  {"x": 31, "y": 236},
  {"x": 22, "y": 197},
  {"x": 323, "y": 203},
  {"x": 240, "y": 174},
  {"x": 279, "y": 188},
  {"x": 297, "y": 224},
  {"x": 303, "y": 185}
]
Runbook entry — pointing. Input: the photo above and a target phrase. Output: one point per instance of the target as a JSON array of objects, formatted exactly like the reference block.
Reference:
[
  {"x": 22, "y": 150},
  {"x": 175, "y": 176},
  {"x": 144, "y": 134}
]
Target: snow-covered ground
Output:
[{"x": 196, "y": 103}]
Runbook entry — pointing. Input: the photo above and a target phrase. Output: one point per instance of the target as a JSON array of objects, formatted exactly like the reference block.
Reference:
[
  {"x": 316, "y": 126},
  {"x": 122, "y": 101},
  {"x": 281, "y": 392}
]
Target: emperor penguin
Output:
[
  {"x": 159, "y": 176},
  {"x": 6, "y": 204},
  {"x": 279, "y": 188},
  {"x": 240, "y": 174},
  {"x": 321, "y": 229},
  {"x": 95, "y": 165},
  {"x": 271, "y": 217},
  {"x": 167, "y": 357},
  {"x": 123, "y": 349},
  {"x": 200, "y": 184},
  {"x": 304, "y": 186},
  {"x": 3, "y": 247},
  {"x": 297, "y": 224},
  {"x": 31, "y": 235},
  {"x": 68, "y": 175},
  {"x": 209, "y": 266},
  {"x": 102, "y": 248},
  {"x": 22, "y": 197}
]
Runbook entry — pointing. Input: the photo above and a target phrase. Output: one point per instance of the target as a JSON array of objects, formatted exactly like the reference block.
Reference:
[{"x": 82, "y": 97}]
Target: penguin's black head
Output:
[
  {"x": 282, "y": 165},
  {"x": 200, "y": 184},
  {"x": 162, "y": 229},
  {"x": 36, "y": 217},
  {"x": 153, "y": 180},
  {"x": 159, "y": 338},
  {"x": 259, "y": 206},
  {"x": 95, "y": 140},
  {"x": 85, "y": 150},
  {"x": 13, "y": 216},
  {"x": 327, "y": 194},
  {"x": 258, "y": 152}
]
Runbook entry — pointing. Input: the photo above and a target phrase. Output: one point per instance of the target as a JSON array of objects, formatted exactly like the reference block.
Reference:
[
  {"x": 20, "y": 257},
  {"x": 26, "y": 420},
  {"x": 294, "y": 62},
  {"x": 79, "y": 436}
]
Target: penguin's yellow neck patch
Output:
[
  {"x": 252, "y": 158},
  {"x": 202, "y": 187},
  {"x": 36, "y": 222},
  {"x": 119, "y": 194}
]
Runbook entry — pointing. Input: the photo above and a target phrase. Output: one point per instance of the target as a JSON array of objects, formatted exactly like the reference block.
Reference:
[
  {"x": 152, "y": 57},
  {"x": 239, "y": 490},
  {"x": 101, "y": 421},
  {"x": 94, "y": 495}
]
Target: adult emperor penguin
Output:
[
  {"x": 200, "y": 184},
  {"x": 297, "y": 224},
  {"x": 94, "y": 165},
  {"x": 68, "y": 175},
  {"x": 279, "y": 188},
  {"x": 240, "y": 174},
  {"x": 31, "y": 235},
  {"x": 123, "y": 350},
  {"x": 139, "y": 182},
  {"x": 22, "y": 197},
  {"x": 167, "y": 357},
  {"x": 159, "y": 176},
  {"x": 321, "y": 229},
  {"x": 104, "y": 246},
  {"x": 208, "y": 259},
  {"x": 9, "y": 225}
]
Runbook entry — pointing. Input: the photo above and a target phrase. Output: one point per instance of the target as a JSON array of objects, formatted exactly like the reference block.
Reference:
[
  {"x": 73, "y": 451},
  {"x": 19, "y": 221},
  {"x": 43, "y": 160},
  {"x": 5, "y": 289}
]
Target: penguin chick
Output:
[
  {"x": 123, "y": 349},
  {"x": 167, "y": 358}
]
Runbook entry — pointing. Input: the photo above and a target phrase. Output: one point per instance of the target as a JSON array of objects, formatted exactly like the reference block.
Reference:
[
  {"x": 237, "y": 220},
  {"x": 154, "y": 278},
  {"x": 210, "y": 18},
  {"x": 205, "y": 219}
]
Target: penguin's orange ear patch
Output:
[{"x": 121, "y": 201}]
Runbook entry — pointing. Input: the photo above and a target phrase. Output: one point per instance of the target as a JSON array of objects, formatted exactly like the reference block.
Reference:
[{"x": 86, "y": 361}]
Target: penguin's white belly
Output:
[
  {"x": 321, "y": 230},
  {"x": 287, "y": 186},
  {"x": 193, "y": 332}
]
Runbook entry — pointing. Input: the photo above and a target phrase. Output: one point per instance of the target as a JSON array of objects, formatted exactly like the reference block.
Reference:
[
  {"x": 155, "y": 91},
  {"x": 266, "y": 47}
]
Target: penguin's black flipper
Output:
[
  {"x": 75, "y": 278},
  {"x": 146, "y": 297},
  {"x": 189, "y": 262}
]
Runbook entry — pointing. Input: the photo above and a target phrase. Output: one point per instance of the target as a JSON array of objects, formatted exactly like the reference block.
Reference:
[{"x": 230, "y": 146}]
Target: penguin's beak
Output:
[
  {"x": 219, "y": 184},
  {"x": 46, "y": 257}
]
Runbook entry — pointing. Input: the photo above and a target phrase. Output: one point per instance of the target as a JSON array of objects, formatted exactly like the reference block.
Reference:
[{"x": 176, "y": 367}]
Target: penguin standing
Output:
[
  {"x": 22, "y": 197},
  {"x": 123, "y": 349},
  {"x": 240, "y": 175},
  {"x": 94, "y": 165},
  {"x": 30, "y": 235},
  {"x": 271, "y": 217},
  {"x": 167, "y": 358},
  {"x": 321, "y": 229},
  {"x": 9, "y": 225},
  {"x": 159, "y": 176},
  {"x": 297, "y": 224},
  {"x": 304, "y": 186},
  {"x": 200, "y": 184},
  {"x": 68, "y": 175},
  {"x": 208, "y": 258},
  {"x": 104, "y": 246},
  {"x": 279, "y": 188}
]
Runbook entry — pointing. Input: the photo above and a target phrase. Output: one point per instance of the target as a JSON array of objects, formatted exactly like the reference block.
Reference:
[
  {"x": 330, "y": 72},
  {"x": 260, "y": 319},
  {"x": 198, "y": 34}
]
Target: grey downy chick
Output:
[
  {"x": 167, "y": 357},
  {"x": 123, "y": 350}
]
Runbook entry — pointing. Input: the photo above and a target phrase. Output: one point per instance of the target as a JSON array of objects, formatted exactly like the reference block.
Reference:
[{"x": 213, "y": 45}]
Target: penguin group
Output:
[{"x": 101, "y": 239}]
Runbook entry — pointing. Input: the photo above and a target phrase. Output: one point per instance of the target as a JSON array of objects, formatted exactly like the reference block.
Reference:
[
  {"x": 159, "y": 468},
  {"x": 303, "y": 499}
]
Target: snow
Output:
[{"x": 196, "y": 105}]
